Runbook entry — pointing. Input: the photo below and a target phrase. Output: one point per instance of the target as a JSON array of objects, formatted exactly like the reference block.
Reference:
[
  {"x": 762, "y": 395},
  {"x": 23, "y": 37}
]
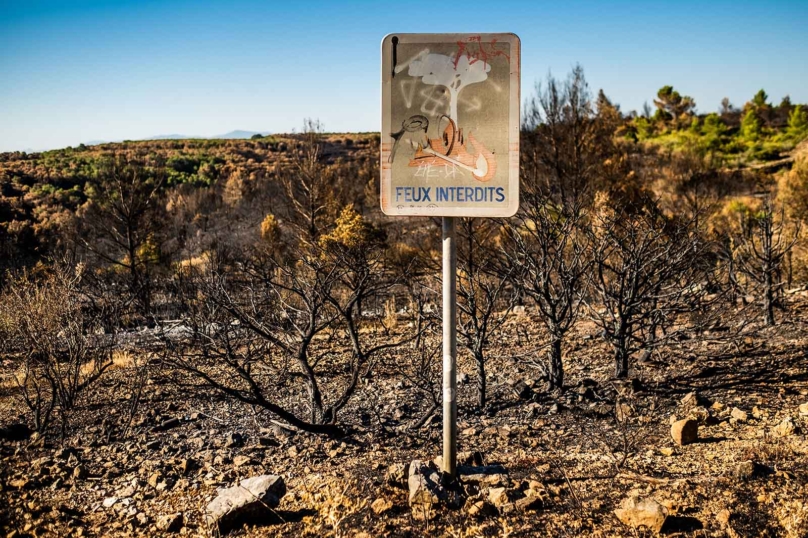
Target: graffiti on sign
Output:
[{"x": 450, "y": 124}]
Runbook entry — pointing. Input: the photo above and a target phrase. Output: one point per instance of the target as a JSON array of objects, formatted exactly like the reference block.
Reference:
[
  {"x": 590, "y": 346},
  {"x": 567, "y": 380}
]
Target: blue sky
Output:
[{"x": 75, "y": 71}]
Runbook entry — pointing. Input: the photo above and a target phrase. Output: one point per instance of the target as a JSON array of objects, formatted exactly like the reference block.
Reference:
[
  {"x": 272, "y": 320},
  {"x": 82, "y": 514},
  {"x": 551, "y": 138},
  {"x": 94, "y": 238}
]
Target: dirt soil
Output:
[{"x": 588, "y": 448}]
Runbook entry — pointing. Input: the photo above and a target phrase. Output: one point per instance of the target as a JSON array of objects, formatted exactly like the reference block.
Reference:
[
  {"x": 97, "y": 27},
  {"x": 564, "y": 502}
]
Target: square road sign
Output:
[{"x": 450, "y": 125}]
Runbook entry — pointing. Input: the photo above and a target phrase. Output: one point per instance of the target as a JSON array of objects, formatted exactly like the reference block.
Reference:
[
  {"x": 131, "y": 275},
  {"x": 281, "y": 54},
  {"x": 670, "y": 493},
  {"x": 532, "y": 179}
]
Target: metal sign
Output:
[
  {"x": 450, "y": 148},
  {"x": 450, "y": 125}
]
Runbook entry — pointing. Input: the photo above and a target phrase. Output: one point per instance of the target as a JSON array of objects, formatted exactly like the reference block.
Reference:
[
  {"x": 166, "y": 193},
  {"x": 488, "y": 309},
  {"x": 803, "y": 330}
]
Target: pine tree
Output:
[
  {"x": 798, "y": 122},
  {"x": 750, "y": 126},
  {"x": 673, "y": 104}
]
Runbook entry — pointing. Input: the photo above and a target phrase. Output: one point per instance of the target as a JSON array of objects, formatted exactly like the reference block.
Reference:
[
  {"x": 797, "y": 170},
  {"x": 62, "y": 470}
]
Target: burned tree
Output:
[
  {"x": 484, "y": 292},
  {"x": 564, "y": 143},
  {"x": 647, "y": 271},
  {"x": 763, "y": 247},
  {"x": 564, "y": 147},
  {"x": 259, "y": 326},
  {"x": 50, "y": 323},
  {"x": 309, "y": 183},
  {"x": 549, "y": 251},
  {"x": 121, "y": 224}
]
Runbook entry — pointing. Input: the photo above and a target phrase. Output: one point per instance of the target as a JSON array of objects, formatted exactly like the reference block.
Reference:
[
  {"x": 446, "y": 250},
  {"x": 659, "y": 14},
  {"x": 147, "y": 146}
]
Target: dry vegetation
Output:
[{"x": 178, "y": 316}]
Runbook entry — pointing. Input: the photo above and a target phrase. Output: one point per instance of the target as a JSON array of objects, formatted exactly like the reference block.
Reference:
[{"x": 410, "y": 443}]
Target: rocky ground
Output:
[{"x": 602, "y": 459}]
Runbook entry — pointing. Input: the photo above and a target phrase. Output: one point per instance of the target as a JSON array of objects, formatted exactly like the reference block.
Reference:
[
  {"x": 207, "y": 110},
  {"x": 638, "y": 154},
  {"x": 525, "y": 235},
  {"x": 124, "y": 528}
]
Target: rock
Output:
[
  {"x": 238, "y": 461},
  {"x": 723, "y": 517},
  {"x": 186, "y": 466},
  {"x": 381, "y": 505},
  {"x": 690, "y": 400},
  {"x": 700, "y": 414},
  {"x": 685, "y": 431},
  {"x": 747, "y": 470},
  {"x": 167, "y": 425},
  {"x": 467, "y": 457},
  {"x": 666, "y": 451},
  {"x": 529, "y": 503},
  {"x": 739, "y": 415},
  {"x": 281, "y": 432},
  {"x": 109, "y": 502},
  {"x": 171, "y": 523},
  {"x": 234, "y": 440},
  {"x": 804, "y": 409},
  {"x": 522, "y": 390},
  {"x": 141, "y": 519},
  {"x": 80, "y": 472},
  {"x": 478, "y": 507},
  {"x": 128, "y": 491},
  {"x": 293, "y": 451},
  {"x": 267, "y": 442},
  {"x": 491, "y": 475},
  {"x": 253, "y": 498},
  {"x": 397, "y": 474},
  {"x": 64, "y": 453},
  {"x": 462, "y": 378},
  {"x": 424, "y": 484},
  {"x": 642, "y": 513},
  {"x": 502, "y": 496},
  {"x": 155, "y": 479},
  {"x": 785, "y": 428},
  {"x": 622, "y": 411}
]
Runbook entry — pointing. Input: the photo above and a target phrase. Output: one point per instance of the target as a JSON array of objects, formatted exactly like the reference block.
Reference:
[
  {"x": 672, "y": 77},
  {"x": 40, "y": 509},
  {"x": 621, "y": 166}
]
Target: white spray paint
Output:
[{"x": 440, "y": 70}]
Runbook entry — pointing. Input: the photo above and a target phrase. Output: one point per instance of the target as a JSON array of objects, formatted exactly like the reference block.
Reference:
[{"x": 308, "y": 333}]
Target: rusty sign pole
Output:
[{"x": 449, "y": 348}]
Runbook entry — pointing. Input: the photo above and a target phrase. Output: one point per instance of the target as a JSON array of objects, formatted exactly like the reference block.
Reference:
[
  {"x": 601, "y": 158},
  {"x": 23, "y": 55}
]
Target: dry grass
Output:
[{"x": 120, "y": 360}]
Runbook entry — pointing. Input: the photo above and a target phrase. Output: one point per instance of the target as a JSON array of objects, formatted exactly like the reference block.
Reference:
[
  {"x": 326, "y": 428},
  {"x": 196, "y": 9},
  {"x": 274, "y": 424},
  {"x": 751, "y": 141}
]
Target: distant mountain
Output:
[
  {"x": 241, "y": 134},
  {"x": 171, "y": 137},
  {"x": 237, "y": 134}
]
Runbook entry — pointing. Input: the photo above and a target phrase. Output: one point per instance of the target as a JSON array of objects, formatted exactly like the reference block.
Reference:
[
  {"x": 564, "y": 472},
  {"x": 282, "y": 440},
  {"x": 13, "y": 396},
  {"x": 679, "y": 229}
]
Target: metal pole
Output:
[{"x": 449, "y": 348}]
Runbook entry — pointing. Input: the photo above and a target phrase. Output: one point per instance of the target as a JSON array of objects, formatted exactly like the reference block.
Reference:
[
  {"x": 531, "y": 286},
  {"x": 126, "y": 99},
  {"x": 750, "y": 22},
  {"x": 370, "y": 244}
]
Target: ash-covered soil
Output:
[{"x": 580, "y": 453}]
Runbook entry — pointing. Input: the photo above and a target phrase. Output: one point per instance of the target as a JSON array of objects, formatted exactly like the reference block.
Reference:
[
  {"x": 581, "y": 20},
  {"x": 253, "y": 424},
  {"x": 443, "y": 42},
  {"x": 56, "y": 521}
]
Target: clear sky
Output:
[{"x": 73, "y": 71}]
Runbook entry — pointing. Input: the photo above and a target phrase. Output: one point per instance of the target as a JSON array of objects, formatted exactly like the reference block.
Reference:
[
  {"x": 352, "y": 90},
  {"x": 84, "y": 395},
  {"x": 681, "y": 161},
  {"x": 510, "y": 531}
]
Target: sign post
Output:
[
  {"x": 450, "y": 148},
  {"x": 449, "y": 347}
]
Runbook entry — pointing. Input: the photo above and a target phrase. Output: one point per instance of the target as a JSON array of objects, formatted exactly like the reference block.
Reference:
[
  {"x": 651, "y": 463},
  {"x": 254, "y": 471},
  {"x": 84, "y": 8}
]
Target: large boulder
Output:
[
  {"x": 424, "y": 483},
  {"x": 253, "y": 499},
  {"x": 642, "y": 513},
  {"x": 685, "y": 431},
  {"x": 426, "y": 490}
]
